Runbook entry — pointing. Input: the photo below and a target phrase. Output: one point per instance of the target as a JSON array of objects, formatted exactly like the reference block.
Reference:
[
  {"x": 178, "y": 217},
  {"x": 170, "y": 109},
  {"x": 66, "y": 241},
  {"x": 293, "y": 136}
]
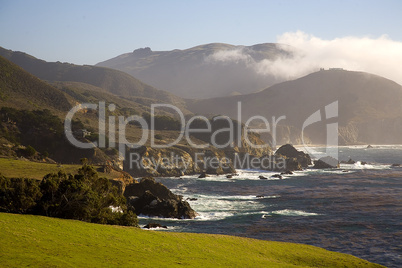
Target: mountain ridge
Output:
[
  {"x": 364, "y": 99},
  {"x": 116, "y": 82},
  {"x": 202, "y": 71}
]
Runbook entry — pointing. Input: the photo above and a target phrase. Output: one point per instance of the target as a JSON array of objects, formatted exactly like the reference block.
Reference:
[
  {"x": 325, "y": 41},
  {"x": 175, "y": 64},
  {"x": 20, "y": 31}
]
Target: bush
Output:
[
  {"x": 19, "y": 195},
  {"x": 162, "y": 122},
  {"x": 30, "y": 151},
  {"x": 83, "y": 196},
  {"x": 40, "y": 129}
]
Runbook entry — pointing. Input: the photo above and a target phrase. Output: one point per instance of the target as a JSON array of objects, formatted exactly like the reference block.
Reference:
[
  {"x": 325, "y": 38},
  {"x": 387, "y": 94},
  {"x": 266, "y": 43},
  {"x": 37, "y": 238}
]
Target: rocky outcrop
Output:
[
  {"x": 286, "y": 159},
  {"x": 350, "y": 161},
  {"x": 371, "y": 131},
  {"x": 177, "y": 161},
  {"x": 213, "y": 152},
  {"x": 289, "y": 152},
  {"x": 151, "y": 198},
  {"x": 202, "y": 175},
  {"x": 153, "y": 225},
  {"x": 290, "y": 134},
  {"x": 326, "y": 162}
]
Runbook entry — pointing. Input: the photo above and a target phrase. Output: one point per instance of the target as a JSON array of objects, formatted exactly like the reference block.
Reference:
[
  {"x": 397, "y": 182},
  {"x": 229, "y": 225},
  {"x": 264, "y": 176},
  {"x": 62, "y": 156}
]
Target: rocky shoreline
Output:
[{"x": 151, "y": 198}]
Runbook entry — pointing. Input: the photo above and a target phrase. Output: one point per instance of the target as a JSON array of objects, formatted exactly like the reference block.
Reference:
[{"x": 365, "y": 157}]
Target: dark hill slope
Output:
[
  {"x": 370, "y": 109},
  {"x": 113, "y": 81},
  {"x": 19, "y": 89}
]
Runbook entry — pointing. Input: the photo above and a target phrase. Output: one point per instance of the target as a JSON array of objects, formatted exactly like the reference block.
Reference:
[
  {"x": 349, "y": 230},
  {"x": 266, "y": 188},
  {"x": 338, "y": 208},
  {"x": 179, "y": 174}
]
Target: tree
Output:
[
  {"x": 83, "y": 196},
  {"x": 19, "y": 195},
  {"x": 30, "y": 151}
]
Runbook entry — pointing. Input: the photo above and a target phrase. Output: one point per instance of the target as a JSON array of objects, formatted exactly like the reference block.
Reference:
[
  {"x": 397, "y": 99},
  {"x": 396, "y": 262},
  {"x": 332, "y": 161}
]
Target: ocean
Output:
[{"x": 356, "y": 209}]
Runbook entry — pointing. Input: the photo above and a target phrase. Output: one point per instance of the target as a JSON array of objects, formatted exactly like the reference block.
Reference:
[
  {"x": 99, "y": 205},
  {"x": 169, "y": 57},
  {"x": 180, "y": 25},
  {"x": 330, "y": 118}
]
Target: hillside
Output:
[
  {"x": 205, "y": 71},
  {"x": 27, "y": 240},
  {"x": 32, "y": 114},
  {"x": 15, "y": 168},
  {"x": 369, "y": 106},
  {"x": 21, "y": 89},
  {"x": 116, "y": 82},
  {"x": 40, "y": 124}
]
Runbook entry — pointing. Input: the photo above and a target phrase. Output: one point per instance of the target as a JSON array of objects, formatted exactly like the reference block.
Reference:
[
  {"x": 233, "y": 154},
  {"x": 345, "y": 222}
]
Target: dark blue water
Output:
[{"x": 356, "y": 209}]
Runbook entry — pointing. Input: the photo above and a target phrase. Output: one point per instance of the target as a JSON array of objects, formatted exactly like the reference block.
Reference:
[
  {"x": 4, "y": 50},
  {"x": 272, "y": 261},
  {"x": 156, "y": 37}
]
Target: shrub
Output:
[
  {"x": 162, "y": 122},
  {"x": 83, "y": 196},
  {"x": 30, "y": 151},
  {"x": 19, "y": 195}
]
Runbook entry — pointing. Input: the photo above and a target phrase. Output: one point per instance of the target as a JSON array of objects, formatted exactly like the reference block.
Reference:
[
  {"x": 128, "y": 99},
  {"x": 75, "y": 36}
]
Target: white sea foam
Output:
[
  {"x": 230, "y": 197},
  {"x": 254, "y": 174},
  {"x": 213, "y": 216},
  {"x": 217, "y": 207},
  {"x": 169, "y": 228},
  {"x": 290, "y": 212},
  {"x": 210, "y": 216},
  {"x": 358, "y": 165},
  {"x": 241, "y": 175},
  {"x": 142, "y": 217}
]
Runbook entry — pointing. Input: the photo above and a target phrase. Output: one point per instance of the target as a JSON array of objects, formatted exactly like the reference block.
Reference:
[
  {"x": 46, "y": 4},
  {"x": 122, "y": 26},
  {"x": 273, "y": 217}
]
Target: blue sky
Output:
[{"x": 87, "y": 32}]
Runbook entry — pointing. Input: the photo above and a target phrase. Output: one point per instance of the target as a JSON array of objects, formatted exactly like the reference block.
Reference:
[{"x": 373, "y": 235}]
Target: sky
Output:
[{"x": 88, "y": 32}]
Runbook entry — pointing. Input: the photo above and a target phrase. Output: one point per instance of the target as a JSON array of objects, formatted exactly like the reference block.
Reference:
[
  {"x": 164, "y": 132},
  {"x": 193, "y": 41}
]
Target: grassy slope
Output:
[
  {"x": 13, "y": 168},
  {"x": 41, "y": 241}
]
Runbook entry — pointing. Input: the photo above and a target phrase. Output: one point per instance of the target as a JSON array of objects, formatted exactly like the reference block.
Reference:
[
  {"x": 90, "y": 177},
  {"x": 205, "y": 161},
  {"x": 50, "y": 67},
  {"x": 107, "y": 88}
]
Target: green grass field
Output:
[
  {"x": 27, "y": 240},
  {"x": 14, "y": 168}
]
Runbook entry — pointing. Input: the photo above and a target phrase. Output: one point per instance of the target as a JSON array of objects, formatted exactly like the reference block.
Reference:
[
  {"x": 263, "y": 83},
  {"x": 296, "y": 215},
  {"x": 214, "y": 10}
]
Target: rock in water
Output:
[
  {"x": 326, "y": 162},
  {"x": 295, "y": 160},
  {"x": 154, "y": 199},
  {"x": 350, "y": 161},
  {"x": 154, "y": 225},
  {"x": 202, "y": 175}
]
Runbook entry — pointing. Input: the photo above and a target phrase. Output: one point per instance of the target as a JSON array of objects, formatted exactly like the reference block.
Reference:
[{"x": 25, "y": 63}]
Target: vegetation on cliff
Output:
[{"x": 83, "y": 196}]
